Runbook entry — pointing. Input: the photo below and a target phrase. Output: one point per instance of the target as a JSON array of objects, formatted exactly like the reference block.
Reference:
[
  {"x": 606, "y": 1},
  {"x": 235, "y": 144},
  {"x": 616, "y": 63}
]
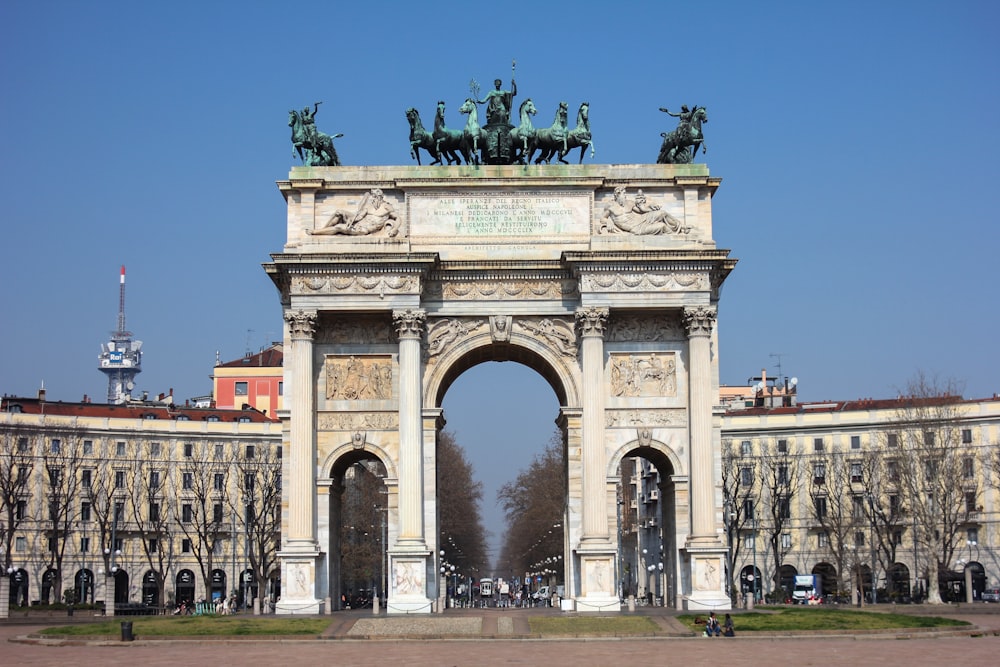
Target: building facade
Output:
[
  {"x": 145, "y": 504},
  {"x": 256, "y": 380},
  {"x": 866, "y": 494}
]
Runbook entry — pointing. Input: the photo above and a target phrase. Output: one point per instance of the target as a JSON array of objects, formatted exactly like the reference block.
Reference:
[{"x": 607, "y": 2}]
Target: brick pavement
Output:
[{"x": 775, "y": 651}]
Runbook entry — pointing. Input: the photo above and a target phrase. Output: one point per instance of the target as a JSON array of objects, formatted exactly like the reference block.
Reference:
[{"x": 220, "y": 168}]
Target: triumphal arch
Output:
[{"x": 602, "y": 278}]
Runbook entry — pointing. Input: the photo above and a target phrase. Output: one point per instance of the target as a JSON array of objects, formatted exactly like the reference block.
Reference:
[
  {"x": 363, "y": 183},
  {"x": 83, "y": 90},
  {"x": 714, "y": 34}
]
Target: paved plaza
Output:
[{"x": 500, "y": 637}]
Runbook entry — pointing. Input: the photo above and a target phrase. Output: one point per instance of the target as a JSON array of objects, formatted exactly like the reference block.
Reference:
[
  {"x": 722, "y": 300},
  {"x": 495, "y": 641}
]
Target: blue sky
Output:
[{"x": 857, "y": 143}]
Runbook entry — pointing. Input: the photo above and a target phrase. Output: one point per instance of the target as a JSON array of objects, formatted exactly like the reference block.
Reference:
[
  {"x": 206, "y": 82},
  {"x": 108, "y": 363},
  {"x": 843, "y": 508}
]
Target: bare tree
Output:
[
  {"x": 459, "y": 496},
  {"x": 60, "y": 459},
  {"x": 837, "y": 511},
  {"x": 741, "y": 496},
  {"x": 152, "y": 500},
  {"x": 17, "y": 459},
  {"x": 534, "y": 504},
  {"x": 937, "y": 471},
  {"x": 885, "y": 505},
  {"x": 779, "y": 475},
  {"x": 258, "y": 501},
  {"x": 204, "y": 480}
]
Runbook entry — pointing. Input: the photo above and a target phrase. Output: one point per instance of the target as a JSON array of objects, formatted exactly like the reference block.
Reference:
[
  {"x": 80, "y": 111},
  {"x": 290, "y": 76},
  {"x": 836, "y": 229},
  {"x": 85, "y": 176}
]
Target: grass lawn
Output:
[
  {"x": 197, "y": 626},
  {"x": 819, "y": 618},
  {"x": 592, "y": 625}
]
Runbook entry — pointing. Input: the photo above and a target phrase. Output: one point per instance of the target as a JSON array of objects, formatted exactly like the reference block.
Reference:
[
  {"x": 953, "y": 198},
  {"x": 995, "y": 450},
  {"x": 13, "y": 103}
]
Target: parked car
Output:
[{"x": 991, "y": 595}]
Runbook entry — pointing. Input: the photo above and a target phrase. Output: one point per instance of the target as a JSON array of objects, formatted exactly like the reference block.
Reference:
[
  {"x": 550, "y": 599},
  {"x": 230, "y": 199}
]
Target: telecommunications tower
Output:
[{"x": 121, "y": 357}]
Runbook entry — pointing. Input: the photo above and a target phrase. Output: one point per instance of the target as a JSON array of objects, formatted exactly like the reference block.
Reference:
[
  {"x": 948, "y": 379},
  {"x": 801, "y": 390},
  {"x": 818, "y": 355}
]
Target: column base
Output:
[
  {"x": 298, "y": 577},
  {"x": 707, "y": 560},
  {"x": 597, "y": 584},
  {"x": 408, "y": 587}
]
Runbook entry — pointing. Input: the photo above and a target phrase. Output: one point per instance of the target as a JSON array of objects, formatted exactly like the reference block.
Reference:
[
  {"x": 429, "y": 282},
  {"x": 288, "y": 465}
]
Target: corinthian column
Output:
[
  {"x": 410, "y": 325},
  {"x": 591, "y": 323},
  {"x": 699, "y": 322},
  {"x": 302, "y": 440}
]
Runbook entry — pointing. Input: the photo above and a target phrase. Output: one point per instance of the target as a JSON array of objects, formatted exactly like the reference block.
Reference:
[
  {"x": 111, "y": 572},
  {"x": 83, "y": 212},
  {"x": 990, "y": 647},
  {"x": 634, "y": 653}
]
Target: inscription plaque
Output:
[{"x": 499, "y": 214}]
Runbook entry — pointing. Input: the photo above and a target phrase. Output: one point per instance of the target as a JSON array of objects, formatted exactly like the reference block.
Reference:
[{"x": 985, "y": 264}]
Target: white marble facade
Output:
[{"x": 604, "y": 279}]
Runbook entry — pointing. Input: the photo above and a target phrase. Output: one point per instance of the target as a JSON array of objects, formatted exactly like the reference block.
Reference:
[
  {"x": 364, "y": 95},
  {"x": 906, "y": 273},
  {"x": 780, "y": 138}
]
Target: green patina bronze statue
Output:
[
  {"x": 314, "y": 148},
  {"x": 681, "y": 145}
]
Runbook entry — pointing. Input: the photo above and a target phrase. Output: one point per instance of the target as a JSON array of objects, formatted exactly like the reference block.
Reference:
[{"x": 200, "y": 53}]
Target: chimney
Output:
[{"x": 41, "y": 394}]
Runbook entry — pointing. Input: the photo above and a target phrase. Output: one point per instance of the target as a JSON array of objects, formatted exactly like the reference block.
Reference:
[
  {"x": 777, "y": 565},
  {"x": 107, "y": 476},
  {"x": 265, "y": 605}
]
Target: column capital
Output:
[
  {"x": 592, "y": 321},
  {"x": 302, "y": 323},
  {"x": 409, "y": 323},
  {"x": 699, "y": 320}
]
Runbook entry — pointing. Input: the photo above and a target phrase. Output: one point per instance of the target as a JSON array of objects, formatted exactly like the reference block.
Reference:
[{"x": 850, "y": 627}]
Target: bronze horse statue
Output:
[
  {"x": 472, "y": 134},
  {"x": 579, "y": 136},
  {"x": 523, "y": 135},
  {"x": 551, "y": 140},
  {"x": 446, "y": 140},
  {"x": 314, "y": 151},
  {"x": 681, "y": 145},
  {"x": 421, "y": 138}
]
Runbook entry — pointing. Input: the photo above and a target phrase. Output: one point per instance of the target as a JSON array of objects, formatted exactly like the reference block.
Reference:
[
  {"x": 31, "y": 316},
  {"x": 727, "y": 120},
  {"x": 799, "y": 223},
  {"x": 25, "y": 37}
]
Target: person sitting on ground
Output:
[
  {"x": 728, "y": 630},
  {"x": 712, "y": 628}
]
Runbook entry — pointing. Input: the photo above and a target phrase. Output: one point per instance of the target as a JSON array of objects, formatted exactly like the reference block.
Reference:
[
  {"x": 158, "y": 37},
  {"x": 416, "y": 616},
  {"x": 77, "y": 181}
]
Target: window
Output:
[
  {"x": 892, "y": 470},
  {"x": 186, "y": 546},
  {"x": 53, "y": 511},
  {"x": 119, "y": 511},
  {"x": 85, "y": 511},
  {"x": 783, "y": 474},
  {"x": 859, "y": 539},
  {"x": 85, "y": 545},
  {"x": 972, "y": 536},
  {"x": 249, "y": 452},
  {"x": 822, "y": 539},
  {"x": 857, "y": 507},
  {"x": 966, "y": 436},
  {"x": 248, "y": 483},
  {"x": 928, "y": 438},
  {"x": 750, "y": 540},
  {"x": 897, "y": 537},
  {"x": 21, "y": 544},
  {"x": 782, "y": 446},
  {"x": 748, "y": 509},
  {"x": 154, "y": 449},
  {"x": 786, "y": 540},
  {"x": 970, "y": 502},
  {"x": 820, "y": 504},
  {"x": 188, "y": 450},
  {"x": 21, "y": 511},
  {"x": 855, "y": 442},
  {"x": 746, "y": 476},
  {"x": 219, "y": 482},
  {"x": 217, "y": 513},
  {"x": 183, "y": 418},
  {"x": 243, "y": 419},
  {"x": 281, "y": 389},
  {"x": 120, "y": 448},
  {"x": 23, "y": 473},
  {"x": 968, "y": 467},
  {"x": 745, "y": 448},
  {"x": 88, "y": 447},
  {"x": 55, "y": 476},
  {"x": 817, "y": 444},
  {"x": 22, "y": 445},
  {"x": 819, "y": 473},
  {"x": 277, "y": 481},
  {"x": 785, "y": 508},
  {"x": 892, "y": 439},
  {"x": 119, "y": 479},
  {"x": 55, "y": 446},
  {"x": 894, "y": 506},
  {"x": 241, "y": 389},
  {"x": 186, "y": 513},
  {"x": 86, "y": 477},
  {"x": 212, "y": 418},
  {"x": 154, "y": 479},
  {"x": 856, "y": 473},
  {"x": 154, "y": 545},
  {"x": 53, "y": 545},
  {"x": 219, "y": 451},
  {"x": 154, "y": 512},
  {"x": 930, "y": 468},
  {"x": 187, "y": 481}
]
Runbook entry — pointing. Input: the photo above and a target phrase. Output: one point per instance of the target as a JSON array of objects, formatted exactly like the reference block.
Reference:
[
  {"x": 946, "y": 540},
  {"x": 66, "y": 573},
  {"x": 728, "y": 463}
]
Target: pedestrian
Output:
[
  {"x": 712, "y": 628},
  {"x": 728, "y": 630}
]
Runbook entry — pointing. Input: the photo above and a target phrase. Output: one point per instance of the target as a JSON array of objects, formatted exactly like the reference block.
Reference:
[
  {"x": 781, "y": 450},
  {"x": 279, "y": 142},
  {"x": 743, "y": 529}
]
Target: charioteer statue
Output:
[{"x": 497, "y": 131}]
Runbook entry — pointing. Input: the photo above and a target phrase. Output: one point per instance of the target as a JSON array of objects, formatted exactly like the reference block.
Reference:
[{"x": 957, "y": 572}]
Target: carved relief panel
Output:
[
  {"x": 358, "y": 377},
  {"x": 652, "y": 374}
]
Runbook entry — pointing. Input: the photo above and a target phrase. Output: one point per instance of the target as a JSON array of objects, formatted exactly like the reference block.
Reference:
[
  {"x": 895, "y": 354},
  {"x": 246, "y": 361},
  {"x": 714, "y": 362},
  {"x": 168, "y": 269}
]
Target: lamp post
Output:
[
  {"x": 871, "y": 507},
  {"x": 753, "y": 576},
  {"x": 110, "y": 554},
  {"x": 970, "y": 593}
]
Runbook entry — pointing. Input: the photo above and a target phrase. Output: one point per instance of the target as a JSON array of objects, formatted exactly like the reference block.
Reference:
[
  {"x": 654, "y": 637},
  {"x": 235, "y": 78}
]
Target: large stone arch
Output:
[{"x": 603, "y": 279}]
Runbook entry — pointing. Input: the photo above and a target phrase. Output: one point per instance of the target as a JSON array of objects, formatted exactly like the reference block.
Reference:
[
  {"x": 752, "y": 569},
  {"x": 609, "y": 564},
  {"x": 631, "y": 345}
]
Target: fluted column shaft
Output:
[
  {"x": 410, "y": 326},
  {"x": 700, "y": 322},
  {"x": 591, "y": 323},
  {"x": 302, "y": 439}
]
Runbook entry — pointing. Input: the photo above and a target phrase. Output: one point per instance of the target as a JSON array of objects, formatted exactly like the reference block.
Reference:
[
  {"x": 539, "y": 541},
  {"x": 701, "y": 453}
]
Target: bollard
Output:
[
  {"x": 69, "y": 610},
  {"x": 127, "y": 635}
]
